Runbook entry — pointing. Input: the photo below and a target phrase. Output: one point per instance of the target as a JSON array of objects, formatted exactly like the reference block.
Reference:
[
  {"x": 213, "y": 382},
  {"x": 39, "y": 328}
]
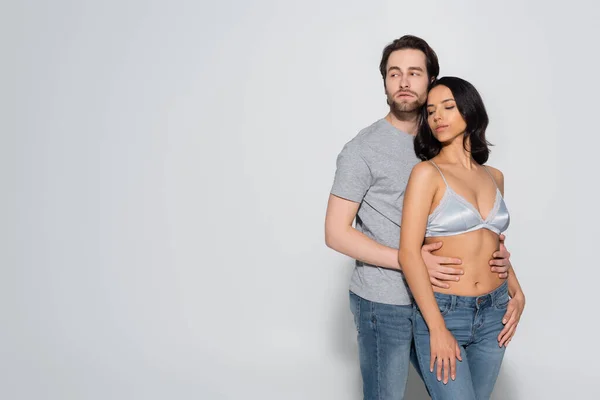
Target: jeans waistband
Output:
[{"x": 493, "y": 298}]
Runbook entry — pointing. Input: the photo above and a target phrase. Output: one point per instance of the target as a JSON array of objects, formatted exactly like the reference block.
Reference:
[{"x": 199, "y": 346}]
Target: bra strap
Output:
[
  {"x": 491, "y": 176},
  {"x": 440, "y": 171}
]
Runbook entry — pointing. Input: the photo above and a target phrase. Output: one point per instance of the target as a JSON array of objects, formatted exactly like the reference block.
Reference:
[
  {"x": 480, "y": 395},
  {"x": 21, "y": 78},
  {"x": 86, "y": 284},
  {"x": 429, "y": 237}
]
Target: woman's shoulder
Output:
[
  {"x": 426, "y": 173},
  {"x": 424, "y": 169},
  {"x": 498, "y": 177},
  {"x": 496, "y": 173}
]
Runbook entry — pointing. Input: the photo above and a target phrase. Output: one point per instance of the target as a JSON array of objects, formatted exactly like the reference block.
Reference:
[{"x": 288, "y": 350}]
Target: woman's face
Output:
[{"x": 443, "y": 116}]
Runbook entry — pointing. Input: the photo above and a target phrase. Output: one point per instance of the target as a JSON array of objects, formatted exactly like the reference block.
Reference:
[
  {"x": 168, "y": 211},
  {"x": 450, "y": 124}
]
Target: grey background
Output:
[{"x": 166, "y": 167}]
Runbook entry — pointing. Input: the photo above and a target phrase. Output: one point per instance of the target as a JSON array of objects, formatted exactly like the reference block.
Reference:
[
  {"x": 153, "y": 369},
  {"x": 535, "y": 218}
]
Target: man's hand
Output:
[
  {"x": 511, "y": 318},
  {"x": 500, "y": 262},
  {"x": 439, "y": 268}
]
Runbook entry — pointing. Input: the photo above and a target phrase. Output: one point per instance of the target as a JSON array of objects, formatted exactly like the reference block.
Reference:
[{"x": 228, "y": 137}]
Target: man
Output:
[{"x": 371, "y": 176}]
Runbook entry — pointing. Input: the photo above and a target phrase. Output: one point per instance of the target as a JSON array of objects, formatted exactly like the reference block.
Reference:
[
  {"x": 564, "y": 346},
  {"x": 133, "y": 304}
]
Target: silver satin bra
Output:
[{"x": 455, "y": 215}]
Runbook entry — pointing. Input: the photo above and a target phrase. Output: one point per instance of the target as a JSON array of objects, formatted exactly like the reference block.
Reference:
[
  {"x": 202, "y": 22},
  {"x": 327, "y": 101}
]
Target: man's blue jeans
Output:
[
  {"x": 385, "y": 340},
  {"x": 475, "y": 323}
]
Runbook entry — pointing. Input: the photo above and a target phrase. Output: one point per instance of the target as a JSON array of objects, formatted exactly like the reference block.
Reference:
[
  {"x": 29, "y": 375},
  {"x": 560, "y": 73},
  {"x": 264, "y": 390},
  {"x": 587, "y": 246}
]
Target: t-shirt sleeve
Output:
[{"x": 352, "y": 176}]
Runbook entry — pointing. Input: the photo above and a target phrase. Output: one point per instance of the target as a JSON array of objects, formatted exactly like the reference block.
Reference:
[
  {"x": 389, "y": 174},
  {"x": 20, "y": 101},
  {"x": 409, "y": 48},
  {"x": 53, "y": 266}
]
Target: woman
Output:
[{"x": 452, "y": 197}]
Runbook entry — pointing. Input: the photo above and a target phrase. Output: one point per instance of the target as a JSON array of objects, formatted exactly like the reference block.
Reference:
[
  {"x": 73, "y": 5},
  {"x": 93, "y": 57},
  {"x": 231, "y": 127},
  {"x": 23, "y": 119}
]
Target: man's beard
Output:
[{"x": 403, "y": 106}]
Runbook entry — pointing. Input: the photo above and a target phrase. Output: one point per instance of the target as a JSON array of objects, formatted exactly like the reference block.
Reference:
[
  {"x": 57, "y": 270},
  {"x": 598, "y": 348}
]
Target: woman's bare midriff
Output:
[{"x": 475, "y": 249}]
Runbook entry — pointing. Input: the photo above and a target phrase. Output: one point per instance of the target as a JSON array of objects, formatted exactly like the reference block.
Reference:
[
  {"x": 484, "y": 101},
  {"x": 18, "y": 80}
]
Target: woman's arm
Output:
[
  {"x": 514, "y": 310},
  {"x": 516, "y": 304},
  {"x": 418, "y": 198},
  {"x": 514, "y": 288}
]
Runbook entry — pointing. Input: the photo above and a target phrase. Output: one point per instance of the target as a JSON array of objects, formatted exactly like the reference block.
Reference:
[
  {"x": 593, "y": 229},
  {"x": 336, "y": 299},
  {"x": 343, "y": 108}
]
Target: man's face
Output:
[{"x": 406, "y": 80}]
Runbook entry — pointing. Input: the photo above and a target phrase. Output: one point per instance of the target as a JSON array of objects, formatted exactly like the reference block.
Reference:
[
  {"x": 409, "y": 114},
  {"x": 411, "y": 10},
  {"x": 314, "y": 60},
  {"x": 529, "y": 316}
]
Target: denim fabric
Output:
[
  {"x": 385, "y": 341},
  {"x": 476, "y": 323}
]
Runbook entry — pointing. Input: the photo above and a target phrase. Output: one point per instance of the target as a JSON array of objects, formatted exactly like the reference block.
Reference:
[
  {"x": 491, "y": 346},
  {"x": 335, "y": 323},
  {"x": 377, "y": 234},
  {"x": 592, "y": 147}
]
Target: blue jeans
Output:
[
  {"x": 476, "y": 323},
  {"x": 385, "y": 341}
]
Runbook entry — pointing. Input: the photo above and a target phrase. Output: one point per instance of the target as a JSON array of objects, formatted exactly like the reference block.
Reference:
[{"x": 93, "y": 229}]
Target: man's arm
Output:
[
  {"x": 342, "y": 237},
  {"x": 352, "y": 180}
]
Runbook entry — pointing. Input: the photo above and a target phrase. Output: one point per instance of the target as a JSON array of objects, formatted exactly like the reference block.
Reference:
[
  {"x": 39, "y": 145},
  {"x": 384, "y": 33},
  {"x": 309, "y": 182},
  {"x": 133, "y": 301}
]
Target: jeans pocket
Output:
[
  {"x": 445, "y": 307},
  {"x": 501, "y": 302},
  {"x": 420, "y": 325}
]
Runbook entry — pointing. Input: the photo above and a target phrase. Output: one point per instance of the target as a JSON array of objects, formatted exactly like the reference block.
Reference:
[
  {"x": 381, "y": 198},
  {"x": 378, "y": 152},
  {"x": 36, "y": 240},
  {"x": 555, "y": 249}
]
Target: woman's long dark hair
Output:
[{"x": 470, "y": 106}]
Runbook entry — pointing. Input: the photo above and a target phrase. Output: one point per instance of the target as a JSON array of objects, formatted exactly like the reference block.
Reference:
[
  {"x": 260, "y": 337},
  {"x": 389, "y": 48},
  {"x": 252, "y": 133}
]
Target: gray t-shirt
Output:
[{"x": 373, "y": 170}]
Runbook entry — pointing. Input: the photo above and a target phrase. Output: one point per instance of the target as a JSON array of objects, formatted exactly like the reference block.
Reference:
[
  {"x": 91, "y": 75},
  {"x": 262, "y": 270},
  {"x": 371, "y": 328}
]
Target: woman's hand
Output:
[
  {"x": 511, "y": 318},
  {"x": 446, "y": 350}
]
